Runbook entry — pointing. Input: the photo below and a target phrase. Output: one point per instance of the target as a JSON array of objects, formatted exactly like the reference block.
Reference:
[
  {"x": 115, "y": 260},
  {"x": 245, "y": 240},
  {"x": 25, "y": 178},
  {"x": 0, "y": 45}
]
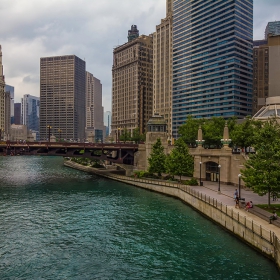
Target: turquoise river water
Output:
[{"x": 60, "y": 223}]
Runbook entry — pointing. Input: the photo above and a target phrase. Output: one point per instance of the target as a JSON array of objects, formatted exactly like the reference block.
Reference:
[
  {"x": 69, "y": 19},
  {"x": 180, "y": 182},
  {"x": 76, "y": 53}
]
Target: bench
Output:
[{"x": 265, "y": 215}]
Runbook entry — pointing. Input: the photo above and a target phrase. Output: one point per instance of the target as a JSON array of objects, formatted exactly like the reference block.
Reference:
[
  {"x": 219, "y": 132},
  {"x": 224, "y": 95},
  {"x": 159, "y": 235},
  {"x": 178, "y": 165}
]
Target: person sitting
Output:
[
  {"x": 273, "y": 217},
  {"x": 249, "y": 204}
]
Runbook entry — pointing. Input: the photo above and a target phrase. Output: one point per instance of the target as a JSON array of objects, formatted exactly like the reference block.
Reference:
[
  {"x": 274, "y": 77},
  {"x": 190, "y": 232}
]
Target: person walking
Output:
[
  {"x": 237, "y": 202},
  {"x": 236, "y": 194}
]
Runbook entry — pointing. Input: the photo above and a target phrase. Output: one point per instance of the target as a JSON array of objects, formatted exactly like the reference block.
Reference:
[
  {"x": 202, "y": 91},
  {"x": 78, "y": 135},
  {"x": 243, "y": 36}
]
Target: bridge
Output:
[{"x": 122, "y": 153}]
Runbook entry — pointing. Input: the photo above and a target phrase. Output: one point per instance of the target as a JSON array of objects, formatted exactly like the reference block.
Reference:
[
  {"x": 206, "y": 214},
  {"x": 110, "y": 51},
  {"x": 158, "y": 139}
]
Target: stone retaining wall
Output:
[{"x": 246, "y": 229}]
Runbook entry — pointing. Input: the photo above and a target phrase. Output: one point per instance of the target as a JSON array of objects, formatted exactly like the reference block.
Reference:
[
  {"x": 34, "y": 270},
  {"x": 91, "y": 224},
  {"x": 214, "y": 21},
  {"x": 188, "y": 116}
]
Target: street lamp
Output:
[
  {"x": 239, "y": 181},
  {"x": 59, "y": 131},
  {"x": 219, "y": 188},
  {"x": 200, "y": 183},
  {"x": 49, "y": 128}
]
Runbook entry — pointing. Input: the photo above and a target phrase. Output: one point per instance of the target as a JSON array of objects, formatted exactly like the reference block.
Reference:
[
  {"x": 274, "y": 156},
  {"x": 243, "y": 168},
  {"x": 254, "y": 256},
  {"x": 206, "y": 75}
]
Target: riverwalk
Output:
[{"x": 227, "y": 198}]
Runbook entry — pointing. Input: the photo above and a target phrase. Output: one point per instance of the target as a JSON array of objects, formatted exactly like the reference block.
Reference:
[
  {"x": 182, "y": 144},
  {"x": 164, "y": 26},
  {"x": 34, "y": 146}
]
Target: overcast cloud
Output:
[{"x": 90, "y": 29}]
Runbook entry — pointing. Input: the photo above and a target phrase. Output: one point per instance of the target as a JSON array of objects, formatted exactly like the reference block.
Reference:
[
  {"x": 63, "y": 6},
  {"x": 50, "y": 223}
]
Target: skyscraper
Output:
[
  {"x": 17, "y": 110},
  {"x": 132, "y": 86},
  {"x": 62, "y": 97},
  {"x": 107, "y": 122},
  {"x": 272, "y": 28},
  {"x": 212, "y": 59},
  {"x": 162, "y": 75},
  {"x": 30, "y": 113},
  {"x": 2, "y": 97},
  {"x": 266, "y": 71},
  {"x": 94, "y": 109},
  {"x": 11, "y": 91}
]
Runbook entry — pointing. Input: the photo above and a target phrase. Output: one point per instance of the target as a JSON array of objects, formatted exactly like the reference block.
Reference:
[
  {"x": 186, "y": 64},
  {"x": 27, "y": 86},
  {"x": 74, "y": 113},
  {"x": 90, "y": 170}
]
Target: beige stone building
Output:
[
  {"x": 94, "y": 109},
  {"x": 132, "y": 85},
  {"x": 2, "y": 98},
  {"x": 266, "y": 72},
  {"x": 162, "y": 71}
]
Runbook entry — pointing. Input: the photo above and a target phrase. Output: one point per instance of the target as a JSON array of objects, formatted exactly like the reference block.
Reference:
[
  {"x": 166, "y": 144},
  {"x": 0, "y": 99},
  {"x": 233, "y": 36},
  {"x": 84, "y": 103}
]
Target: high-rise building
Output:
[
  {"x": 11, "y": 91},
  {"x": 17, "y": 115},
  {"x": 2, "y": 98},
  {"x": 62, "y": 97},
  {"x": 107, "y": 122},
  {"x": 30, "y": 113},
  {"x": 94, "y": 109},
  {"x": 272, "y": 28},
  {"x": 132, "y": 86},
  {"x": 212, "y": 59},
  {"x": 162, "y": 75},
  {"x": 133, "y": 33},
  {"x": 266, "y": 72}
]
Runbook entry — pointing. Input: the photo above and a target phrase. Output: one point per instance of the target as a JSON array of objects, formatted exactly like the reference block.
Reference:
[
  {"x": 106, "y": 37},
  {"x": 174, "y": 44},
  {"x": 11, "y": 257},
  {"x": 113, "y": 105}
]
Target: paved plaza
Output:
[{"x": 226, "y": 196}]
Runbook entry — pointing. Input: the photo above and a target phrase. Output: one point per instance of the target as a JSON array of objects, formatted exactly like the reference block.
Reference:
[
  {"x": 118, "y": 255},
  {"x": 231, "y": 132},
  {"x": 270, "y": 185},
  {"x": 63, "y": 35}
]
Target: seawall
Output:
[{"x": 254, "y": 234}]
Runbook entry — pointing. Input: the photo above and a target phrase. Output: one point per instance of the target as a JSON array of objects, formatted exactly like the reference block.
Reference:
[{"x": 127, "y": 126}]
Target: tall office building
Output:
[
  {"x": 94, "y": 109},
  {"x": 212, "y": 59},
  {"x": 107, "y": 122},
  {"x": 2, "y": 97},
  {"x": 266, "y": 72},
  {"x": 11, "y": 91},
  {"x": 132, "y": 89},
  {"x": 133, "y": 33},
  {"x": 30, "y": 111},
  {"x": 17, "y": 114},
  {"x": 272, "y": 28},
  {"x": 62, "y": 97},
  {"x": 162, "y": 75}
]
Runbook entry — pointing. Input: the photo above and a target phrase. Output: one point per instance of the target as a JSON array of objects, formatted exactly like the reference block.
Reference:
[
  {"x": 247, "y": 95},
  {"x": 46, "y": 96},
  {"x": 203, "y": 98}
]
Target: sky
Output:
[{"x": 89, "y": 29}]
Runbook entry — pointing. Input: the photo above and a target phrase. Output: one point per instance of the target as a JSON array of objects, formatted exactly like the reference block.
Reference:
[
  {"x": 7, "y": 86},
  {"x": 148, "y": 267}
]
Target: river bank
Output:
[{"x": 250, "y": 229}]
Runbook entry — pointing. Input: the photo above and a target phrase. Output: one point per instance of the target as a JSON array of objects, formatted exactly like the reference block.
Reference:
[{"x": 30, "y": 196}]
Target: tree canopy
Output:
[
  {"x": 262, "y": 172},
  {"x": 179, "y": 161},
  {"x": 157, "y": 158}
]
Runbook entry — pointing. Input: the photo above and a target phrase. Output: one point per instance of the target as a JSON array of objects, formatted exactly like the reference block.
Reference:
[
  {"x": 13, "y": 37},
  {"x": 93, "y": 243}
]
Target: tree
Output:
[
  {"x": 213, "y": 130},
  {"x": 125, "y": 136},
  {"x": 136, "y": 136},
  {"x": 262, "y": 172},
  {"x": 157, "y": 158},
  {"x": 179, "y": 161},
  {"x": 188, "y": 130}
]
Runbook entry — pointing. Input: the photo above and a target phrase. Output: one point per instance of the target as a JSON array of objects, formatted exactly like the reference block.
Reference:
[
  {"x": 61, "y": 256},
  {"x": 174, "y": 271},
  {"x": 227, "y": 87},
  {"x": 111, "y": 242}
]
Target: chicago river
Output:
[{"x": 60, "y": 223}]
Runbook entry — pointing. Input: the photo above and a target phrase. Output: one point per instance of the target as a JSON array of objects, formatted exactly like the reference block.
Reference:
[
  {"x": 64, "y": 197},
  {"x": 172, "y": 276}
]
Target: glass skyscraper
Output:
[{"x": 212, "y": 59}]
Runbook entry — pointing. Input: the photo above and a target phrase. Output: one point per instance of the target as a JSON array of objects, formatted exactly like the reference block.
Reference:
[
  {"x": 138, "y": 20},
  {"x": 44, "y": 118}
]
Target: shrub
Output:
[{"x": 191, "y": 182}]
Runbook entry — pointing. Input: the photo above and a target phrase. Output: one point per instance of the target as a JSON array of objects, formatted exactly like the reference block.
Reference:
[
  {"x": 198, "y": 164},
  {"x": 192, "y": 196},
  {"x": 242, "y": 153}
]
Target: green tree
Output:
[
  {"x": 125, "y": 136},
  {"x": 243, "y": 134},
  {"x": 157, "y": 158},
  {"x": 179, "y": 162},
  {"x": 137, "y": 136},
  {"x": 213, "y": 130},
  {"x": 188, "y": 130},
  {"x": 262, "y": 172}
]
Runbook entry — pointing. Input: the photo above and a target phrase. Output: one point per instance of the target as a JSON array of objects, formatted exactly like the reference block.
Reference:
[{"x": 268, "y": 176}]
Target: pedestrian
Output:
[
  {"x": 237, "y": 202},
  {"x": 249, "y": 204},
  {"x": 273, "y": 217},
  {"x": 236, "y": 194}
]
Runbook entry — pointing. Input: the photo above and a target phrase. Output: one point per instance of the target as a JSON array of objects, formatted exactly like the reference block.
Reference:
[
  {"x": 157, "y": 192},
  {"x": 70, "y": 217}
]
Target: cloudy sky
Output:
[{"x": 90, "y": 29}]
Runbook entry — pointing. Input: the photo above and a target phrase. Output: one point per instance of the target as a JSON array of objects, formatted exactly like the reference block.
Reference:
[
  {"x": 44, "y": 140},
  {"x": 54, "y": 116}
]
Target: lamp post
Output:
[
  {"x": 49, "y": 128},
  {"x": 239, "y": 185},
  {"x": 200, "y": 183},
  {"x": 59, "y": 131},
  {"x": 219, "y": 187}
]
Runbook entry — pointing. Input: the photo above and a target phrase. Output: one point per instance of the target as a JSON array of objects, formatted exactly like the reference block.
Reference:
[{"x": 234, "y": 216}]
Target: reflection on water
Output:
[{"x": 59, "y": 223}]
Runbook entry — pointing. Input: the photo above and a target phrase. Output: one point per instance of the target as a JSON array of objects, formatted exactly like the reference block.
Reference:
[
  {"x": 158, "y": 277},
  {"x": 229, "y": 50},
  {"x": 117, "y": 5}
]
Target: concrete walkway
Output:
[{"x": 227, "y": 198}]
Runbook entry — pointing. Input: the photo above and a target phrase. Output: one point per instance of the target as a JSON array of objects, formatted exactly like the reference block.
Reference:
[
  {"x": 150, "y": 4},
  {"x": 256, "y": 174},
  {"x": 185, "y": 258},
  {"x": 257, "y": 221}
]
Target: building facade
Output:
[
  {"x": 132, "y": 85},
  {"x": 62, "y": 97},
  {"x": 11, "y": 91},
  {"x": 107, "y": 122},
  {"x": 266, "y": 72},
  {"x": 30, "y": 111},
  {"x": 162, "y": 70},
  {"x": 94, "y": 109},
  {"x": 2, "y": 98},
  {"x": 17, "y": 114},
  {"x": 212, "y": 59},
  {"x": 272, "y": 28}
]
